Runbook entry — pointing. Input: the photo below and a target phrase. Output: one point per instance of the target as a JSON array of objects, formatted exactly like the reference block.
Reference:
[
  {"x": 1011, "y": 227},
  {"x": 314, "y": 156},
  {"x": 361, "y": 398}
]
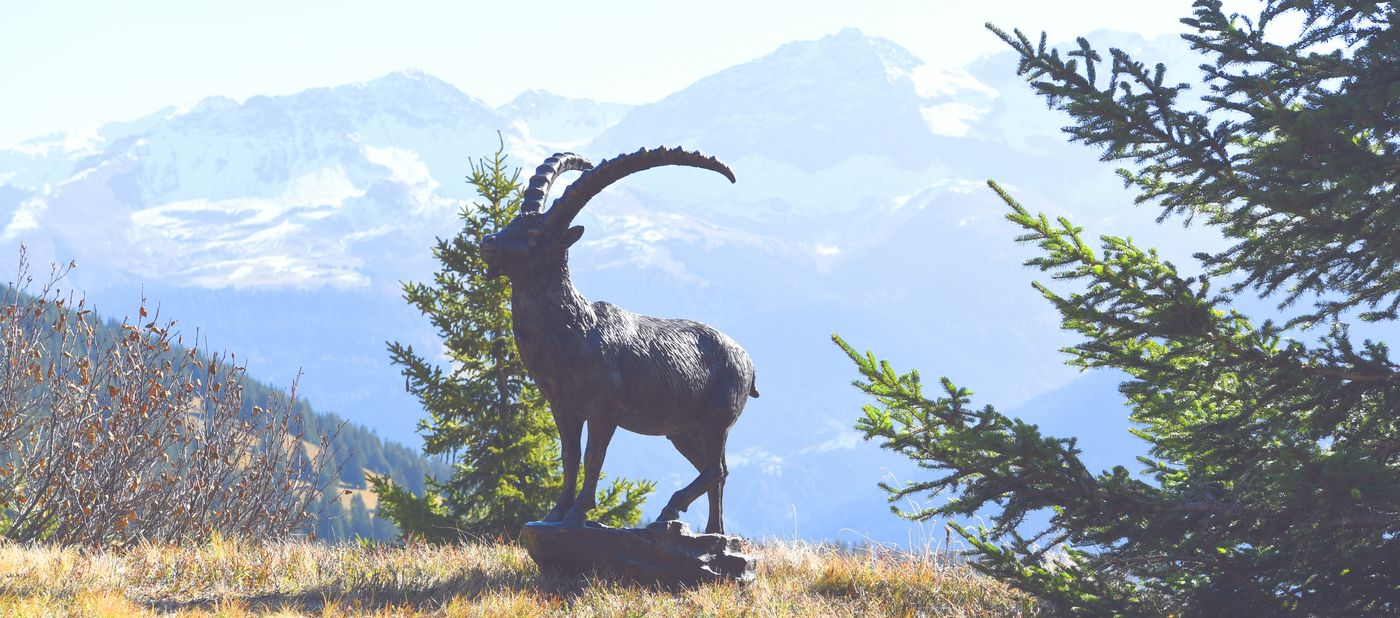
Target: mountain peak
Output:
[
  {"x": 415, "y": 80},
  {"x": 534, "y": 96},
  {"x": 814, "y": 103},
  {"x": 848, "y": 48},
  {"x": 409, "y": 75},
  {"x": 849, "y": 35},
  {"x": 559, "y": 120}
]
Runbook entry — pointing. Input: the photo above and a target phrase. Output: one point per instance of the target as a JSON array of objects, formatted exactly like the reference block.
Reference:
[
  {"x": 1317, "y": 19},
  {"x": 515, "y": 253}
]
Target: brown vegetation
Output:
[
  {"x": 235, "y": 578},
  {"x": 120, "y": 435}
]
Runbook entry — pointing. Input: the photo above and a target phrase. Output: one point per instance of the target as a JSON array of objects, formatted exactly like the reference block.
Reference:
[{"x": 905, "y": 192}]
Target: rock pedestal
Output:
[{"x": 664, "y": 552}]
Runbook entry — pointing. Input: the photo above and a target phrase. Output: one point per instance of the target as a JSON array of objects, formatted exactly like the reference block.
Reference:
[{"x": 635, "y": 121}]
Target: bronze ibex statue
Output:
[{"x": 598, "y": 363}]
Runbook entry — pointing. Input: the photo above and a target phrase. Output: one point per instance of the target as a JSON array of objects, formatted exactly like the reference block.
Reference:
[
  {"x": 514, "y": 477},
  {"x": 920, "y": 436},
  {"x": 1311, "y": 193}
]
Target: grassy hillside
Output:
[
  {"x": 226, "y": 578},
  {"x": 346, "y": 511},
  {"x": 366, "y": 452}
]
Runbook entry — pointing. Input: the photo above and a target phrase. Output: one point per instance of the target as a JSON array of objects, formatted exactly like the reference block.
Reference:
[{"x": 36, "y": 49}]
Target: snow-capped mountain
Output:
[
  {"x": 319, "y": 189},
  {"x": 282, "y": 226},
  {"x": 808, "y": 119},
  {"x": 814, "y": 104}
]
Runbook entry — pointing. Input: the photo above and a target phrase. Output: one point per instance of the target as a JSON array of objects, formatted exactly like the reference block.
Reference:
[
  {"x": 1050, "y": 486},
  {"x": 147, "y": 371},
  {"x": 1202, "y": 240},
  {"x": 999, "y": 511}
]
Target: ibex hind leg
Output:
[
  {"x": 690, "y": 446},
  {"x": 712, "y": 473}
]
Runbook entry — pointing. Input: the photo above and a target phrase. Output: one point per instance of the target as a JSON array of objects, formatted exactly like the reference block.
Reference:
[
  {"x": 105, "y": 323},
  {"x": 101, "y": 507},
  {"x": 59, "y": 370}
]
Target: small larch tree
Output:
[
  {"x": 484, "y": 412},
  {"x": 1273, "y": 484}
]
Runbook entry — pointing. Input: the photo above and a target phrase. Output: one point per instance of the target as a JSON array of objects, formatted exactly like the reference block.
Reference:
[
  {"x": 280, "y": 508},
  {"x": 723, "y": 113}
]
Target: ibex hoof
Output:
[
  {"x": 556, "y": 514},
  {"x": 576, "y": 517}
]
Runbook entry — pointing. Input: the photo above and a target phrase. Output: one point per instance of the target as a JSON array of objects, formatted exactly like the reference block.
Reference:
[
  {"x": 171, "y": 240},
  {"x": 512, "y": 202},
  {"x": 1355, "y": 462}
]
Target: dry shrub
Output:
[{"x": 114, "y": 436}]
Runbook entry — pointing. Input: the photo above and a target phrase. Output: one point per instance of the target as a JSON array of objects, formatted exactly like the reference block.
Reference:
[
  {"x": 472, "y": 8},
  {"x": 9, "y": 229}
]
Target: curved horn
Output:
[
  {"x": 612, "y": 170},
  {"x": 545, "y": 175}
]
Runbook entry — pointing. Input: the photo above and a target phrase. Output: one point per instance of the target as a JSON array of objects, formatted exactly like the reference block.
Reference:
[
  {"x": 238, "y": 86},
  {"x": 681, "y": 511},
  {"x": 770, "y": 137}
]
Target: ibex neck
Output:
[{"x": 545, "y": 300}]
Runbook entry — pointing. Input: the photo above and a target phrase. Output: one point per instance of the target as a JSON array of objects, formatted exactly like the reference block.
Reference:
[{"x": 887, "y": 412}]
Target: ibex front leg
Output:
[
  {"x": 599, "y": 435},
  {"x": 570, "y": 434}
]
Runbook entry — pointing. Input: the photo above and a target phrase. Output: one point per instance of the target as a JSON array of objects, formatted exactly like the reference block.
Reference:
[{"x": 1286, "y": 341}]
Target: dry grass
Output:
[{"x": 235, "y": 578}]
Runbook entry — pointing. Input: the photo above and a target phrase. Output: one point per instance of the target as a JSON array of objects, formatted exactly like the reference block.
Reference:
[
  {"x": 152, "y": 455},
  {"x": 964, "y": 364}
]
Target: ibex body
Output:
[{"x": 611, "y": 368}]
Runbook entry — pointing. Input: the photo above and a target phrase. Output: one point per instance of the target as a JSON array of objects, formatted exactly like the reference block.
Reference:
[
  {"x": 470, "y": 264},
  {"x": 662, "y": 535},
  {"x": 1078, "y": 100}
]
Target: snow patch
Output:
[
  {"x": 30, "y": 212},
  {"x": 403, "y": 163},
  {"x": 643, "y": 236},
  {"x": 82, "y": 140},
  {"x": 950, "y": 119},
  {"x": 183, "y": 109},
  {"x": 328, "y": 185},
  {"x": 821, "y": 193},
  {"x": 271, "y": 270},
  {"x": 327, "y": 188},
  {"x": 246, "y": 242},
  {"x": 27, "y": 217},
  {"x": 931, "y": 82},
  {"x": 407, "y": 167},
  {"x": 926, "y": 193}
]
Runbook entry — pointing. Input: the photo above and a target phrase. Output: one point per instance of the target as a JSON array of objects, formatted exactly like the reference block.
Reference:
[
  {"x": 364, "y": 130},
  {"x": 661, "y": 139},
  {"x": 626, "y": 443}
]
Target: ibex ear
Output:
[{"x": 571, "y": 235}]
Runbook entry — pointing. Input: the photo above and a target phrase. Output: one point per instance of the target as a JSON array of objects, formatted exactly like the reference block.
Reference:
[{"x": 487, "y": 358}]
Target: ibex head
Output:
[{"x": 540, "y": 240}]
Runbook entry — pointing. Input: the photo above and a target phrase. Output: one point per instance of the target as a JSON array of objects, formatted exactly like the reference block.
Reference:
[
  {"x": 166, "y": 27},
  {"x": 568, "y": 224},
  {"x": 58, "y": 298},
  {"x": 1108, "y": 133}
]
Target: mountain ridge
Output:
[{"x": 841, "y": 88}]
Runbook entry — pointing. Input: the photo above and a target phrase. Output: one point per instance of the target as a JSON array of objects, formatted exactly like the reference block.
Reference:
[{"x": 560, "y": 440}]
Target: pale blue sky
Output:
[{"x": 64, "y": 63}]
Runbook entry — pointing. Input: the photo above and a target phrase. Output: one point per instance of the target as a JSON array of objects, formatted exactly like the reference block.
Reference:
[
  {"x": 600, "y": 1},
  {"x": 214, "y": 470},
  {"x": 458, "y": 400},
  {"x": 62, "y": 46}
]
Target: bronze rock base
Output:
[{"x": 664, "y": 552}]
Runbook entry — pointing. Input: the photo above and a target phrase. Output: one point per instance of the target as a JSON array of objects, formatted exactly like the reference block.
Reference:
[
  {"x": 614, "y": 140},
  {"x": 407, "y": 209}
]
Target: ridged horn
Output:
[
  {"x": 562, "y": 213},
  {"x": 545, "y": 175}
]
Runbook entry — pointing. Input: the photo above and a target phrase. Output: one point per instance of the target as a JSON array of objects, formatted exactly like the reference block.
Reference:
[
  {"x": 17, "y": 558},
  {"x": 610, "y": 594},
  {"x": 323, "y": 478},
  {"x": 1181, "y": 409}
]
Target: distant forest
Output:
[{"x": 347, "y": 510}]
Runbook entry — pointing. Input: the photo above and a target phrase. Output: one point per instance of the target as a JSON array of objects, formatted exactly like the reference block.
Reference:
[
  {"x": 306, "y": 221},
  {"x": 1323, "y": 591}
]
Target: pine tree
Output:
[
  {"x": 484, "y": 411},
  {"x": 384, "y": 530},
  {"x": 1273, "y": 485},
  {"x": 360, "y": 524},
  {"x": 352, "y": 474},
  {"x": 332, "y": 524}
]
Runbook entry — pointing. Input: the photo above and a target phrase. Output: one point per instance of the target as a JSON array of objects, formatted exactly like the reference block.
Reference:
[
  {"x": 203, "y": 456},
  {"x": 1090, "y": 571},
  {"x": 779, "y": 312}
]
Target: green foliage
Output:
[
  {"x": 484, "y": 412},
  {"x": 420, "y": 516},
  {"x": 1293, "y": 157},
  {"x": 358, "y": 512},
  {"x": 1273, "y": 485}
]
